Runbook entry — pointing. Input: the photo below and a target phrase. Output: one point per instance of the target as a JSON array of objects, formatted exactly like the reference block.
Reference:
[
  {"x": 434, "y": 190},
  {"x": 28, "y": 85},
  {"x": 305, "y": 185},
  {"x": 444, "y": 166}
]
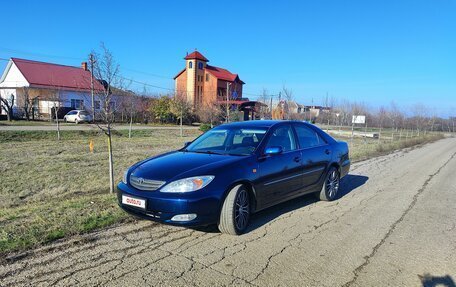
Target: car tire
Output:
[
  {"x": 235, "y": 213},
  {"x": 330, "y": 188},
  {"x": 76, "y": 121},
  {"x": 65, "y": 120}
]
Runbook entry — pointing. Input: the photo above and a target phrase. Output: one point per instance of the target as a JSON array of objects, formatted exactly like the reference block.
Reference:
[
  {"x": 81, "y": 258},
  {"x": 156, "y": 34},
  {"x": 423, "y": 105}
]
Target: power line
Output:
[
  {"x": 37, "y": 54},
  {"x": 127, "y": 69},
  {"x": 80, "y": 59}
]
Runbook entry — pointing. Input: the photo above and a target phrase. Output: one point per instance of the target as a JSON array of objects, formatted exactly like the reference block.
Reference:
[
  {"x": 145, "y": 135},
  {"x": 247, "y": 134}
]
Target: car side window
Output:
[
  {"x": 307, "y": 137},
  {"x": 284, "y": 137}
]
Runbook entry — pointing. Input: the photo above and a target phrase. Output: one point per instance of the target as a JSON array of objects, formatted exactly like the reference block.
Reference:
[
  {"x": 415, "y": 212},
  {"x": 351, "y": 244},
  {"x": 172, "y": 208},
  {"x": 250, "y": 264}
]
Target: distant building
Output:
[
  {"x": 201, "y": 83},
  {"x": 47, "y": 84}
]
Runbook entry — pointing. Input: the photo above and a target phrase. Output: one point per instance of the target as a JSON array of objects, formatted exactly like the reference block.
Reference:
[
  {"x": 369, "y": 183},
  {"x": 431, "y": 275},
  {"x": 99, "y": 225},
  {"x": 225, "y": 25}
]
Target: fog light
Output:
[{"x": 183, "y": 217}]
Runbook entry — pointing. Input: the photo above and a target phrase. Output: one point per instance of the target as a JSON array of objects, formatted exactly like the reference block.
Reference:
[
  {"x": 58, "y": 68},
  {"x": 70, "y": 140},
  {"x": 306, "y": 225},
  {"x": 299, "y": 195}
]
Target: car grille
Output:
[{"x": 145, "y": 184}]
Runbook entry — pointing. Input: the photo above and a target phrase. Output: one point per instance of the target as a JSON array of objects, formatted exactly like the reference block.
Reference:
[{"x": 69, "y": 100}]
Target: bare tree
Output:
[
  {"x": 7, "y": 104},
  {"x": 56, "y": 99},
  {"x": 26, "y": 102},
  {"x": 209, "y": 112},
  {"x": 180, "y": 108},
  {"x": 265, "y": 111},
  {"x": 419, "y": 115},
  {"x": 106, "y": 70},
  {"x": 288, "y": 95}
]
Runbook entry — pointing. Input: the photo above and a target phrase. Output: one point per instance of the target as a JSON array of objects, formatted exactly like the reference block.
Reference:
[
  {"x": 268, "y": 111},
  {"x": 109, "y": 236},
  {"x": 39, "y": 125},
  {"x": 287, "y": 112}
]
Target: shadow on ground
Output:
[
  {"x": 433, "y": 281},
  {"x": 349, "y": 183}
]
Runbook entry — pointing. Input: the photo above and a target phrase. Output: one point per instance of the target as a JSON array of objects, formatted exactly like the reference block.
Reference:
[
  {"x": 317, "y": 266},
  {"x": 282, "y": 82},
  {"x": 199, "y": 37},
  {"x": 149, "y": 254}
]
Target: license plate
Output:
[{"x": 133, "y": 201}]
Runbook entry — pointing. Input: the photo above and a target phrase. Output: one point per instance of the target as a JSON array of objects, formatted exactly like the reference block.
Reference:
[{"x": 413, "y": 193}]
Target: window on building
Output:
[
  {"x": 200, "y": 65},
  {"x": 97, "y": 105},
  {"x": 112, "y": 106},
  {"x": 77, "y": 104},
  {"x": 207, "y": 77},
  {"x": 190, "y": 65}
]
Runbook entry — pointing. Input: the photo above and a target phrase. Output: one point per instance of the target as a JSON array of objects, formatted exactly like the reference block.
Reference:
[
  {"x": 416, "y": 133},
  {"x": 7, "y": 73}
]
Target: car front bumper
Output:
[{"x": 162, "y": 207}]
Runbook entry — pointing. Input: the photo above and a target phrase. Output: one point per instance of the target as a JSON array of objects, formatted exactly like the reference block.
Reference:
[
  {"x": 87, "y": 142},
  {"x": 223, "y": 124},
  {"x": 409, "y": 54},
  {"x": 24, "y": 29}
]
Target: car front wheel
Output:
[
  {"x": 235, "y": 213},
  {"x": 331, "y": 185}
]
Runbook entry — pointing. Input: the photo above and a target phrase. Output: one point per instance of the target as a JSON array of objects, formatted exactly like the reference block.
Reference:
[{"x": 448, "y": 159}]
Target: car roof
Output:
[{"x": 258, "y": 123}]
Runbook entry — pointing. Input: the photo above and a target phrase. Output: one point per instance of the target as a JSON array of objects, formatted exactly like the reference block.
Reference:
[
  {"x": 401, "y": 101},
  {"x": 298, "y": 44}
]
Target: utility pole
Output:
[
  {"x": 270, "y": 108},
  {"x": 92, "y": 61},
  {"x": 227, "y": 102}
]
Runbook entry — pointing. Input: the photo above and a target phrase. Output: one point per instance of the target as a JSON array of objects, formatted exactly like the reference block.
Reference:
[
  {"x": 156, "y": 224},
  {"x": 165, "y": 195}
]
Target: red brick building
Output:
[{"x": 201, "y": 83}]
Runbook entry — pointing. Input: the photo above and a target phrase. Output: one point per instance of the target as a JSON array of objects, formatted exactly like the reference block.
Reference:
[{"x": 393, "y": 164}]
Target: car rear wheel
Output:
[
  {"x": 331, "y": 185},
  {"x": 235, "y": 213},
  {"x": 76, "y": 121}
]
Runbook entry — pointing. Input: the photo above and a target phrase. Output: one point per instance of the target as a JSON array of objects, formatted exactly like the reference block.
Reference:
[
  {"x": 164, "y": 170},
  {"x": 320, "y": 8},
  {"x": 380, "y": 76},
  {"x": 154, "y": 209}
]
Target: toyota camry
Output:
[{"x": 232, "y": 171}]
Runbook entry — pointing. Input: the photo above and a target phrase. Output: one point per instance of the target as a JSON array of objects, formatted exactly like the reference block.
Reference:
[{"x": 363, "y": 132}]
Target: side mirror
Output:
[
  {"x": 273, "y": 150},
  {"x": 186, "y": 144}
]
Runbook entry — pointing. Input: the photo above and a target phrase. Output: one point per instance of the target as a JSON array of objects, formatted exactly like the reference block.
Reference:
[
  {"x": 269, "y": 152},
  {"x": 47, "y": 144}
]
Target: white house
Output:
[{"x": 46, "y": 85}]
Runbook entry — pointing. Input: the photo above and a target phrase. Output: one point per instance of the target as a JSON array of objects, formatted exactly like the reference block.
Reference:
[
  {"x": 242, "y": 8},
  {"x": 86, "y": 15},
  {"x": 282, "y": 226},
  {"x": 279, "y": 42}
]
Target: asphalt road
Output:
[
  {"x": 86, "y": 127},
  {"x": 393, "y": 226}
]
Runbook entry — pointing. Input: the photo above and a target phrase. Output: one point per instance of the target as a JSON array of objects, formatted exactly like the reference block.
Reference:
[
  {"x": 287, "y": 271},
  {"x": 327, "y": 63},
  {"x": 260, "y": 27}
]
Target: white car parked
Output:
[{"x": 77, "y": 116}]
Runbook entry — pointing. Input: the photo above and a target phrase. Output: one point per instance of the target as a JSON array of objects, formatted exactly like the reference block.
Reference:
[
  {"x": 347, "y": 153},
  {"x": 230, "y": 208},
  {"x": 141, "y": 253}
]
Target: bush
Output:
[{"x": 205, "y": 127}]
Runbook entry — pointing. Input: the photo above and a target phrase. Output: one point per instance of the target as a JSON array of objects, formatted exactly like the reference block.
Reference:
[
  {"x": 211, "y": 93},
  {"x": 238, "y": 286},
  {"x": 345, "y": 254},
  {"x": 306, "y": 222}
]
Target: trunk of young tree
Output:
[
  {"x": 131, "y": 123},
  {"x": 181, "y": 127},
  {"x": 56, "y": 111},
  {"x": 111, "y": 162}
]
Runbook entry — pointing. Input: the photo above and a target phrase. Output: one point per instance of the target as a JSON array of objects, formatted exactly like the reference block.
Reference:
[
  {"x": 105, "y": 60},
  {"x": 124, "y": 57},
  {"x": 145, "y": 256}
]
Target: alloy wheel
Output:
[
  {"x": 332, "y": 184},
  {"x": 242, "y": 210}
]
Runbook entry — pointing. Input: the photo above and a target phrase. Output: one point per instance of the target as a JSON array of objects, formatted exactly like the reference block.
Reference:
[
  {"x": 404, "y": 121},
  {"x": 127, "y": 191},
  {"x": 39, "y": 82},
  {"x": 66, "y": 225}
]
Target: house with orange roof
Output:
[{"x": 201, "y": 83}]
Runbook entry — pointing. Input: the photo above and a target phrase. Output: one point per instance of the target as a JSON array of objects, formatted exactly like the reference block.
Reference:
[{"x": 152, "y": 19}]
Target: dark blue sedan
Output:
[{"x": 234, "y": 170}]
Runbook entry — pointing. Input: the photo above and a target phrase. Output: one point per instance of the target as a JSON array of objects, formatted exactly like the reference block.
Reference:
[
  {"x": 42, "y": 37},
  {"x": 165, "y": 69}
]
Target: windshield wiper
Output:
[{"x": 206, "y": 151}]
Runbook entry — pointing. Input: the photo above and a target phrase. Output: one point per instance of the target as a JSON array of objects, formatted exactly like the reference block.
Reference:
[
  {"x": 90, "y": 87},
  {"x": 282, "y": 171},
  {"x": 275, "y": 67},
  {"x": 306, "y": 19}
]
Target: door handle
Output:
[
  {"x": 297, "y": 159},
  {"x": 327, "y": 151}
]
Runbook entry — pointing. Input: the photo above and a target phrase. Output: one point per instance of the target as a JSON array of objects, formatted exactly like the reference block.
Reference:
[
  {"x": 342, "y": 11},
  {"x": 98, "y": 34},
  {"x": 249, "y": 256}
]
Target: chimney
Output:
[{"x": 84, "y": 66}]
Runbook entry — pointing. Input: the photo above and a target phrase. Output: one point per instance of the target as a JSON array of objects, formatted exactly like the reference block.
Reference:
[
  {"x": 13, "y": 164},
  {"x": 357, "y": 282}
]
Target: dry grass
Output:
[
  {"x": 51, "y": 189},
  {"x": 361, "y": 149}
]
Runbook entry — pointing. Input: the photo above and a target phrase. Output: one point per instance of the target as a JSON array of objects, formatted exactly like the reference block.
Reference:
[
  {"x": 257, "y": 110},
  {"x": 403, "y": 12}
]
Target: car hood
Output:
[{"x": 176, "y": 165}]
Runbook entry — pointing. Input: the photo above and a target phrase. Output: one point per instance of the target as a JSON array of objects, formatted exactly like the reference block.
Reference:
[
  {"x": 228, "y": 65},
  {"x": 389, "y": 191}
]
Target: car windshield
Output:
[{"x": 230, "y": 141}]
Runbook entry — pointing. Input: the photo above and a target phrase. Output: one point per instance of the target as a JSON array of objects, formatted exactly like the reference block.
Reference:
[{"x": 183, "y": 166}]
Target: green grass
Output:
[{"x": 51, "y": 190}]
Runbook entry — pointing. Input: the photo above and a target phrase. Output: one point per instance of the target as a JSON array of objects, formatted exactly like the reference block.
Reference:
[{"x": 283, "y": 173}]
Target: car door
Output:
[
  {"x": 280, "y": 174},
  {"x": 70, "y": 116},
  {"x": 316, "y": 154}
]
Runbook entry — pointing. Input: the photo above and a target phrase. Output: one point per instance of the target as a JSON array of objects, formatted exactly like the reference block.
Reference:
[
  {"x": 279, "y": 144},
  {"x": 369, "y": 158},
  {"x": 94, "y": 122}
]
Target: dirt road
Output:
[{"x": 394, "y": 226}]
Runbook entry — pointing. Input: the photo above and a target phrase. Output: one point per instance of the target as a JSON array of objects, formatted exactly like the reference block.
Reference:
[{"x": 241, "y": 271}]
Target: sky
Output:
[{"x": 373, "y": 52}]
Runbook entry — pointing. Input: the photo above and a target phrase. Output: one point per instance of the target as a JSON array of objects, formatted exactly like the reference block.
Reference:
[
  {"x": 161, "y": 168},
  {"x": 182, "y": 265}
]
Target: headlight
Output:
[
  {"x": 124, "y": 178},
  {"x": 188, "y": 184}
]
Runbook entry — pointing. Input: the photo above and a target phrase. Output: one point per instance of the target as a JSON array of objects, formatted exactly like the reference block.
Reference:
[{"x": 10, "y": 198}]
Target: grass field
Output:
[{"x": 52, "y": 189}]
